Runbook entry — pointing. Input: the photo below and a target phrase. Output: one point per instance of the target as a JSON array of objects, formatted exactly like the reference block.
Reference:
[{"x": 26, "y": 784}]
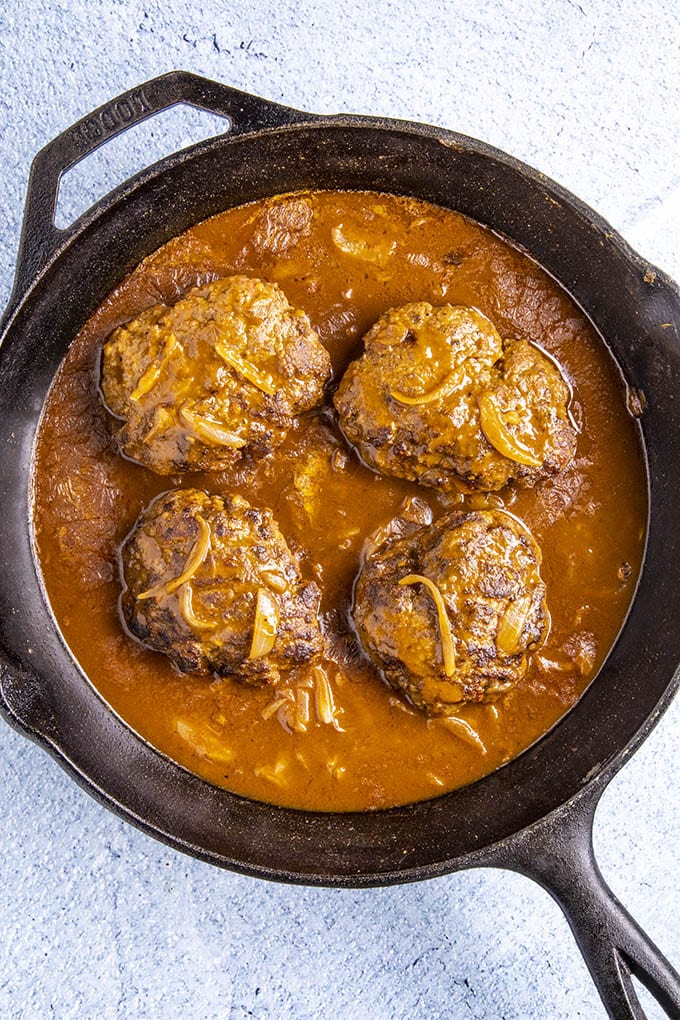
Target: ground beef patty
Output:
[
  {"x": 211, "y": 582},
  {"x": 217, "y": 377},
  {"x": 438, "y": 397},
  {"x": 449, "y": 612}
]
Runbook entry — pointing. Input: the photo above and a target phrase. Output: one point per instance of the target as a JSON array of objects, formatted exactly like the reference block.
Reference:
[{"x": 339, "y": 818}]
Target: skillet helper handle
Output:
[
  {"x": 40, "y": 238},
  {"x": 558, "y": 854}
]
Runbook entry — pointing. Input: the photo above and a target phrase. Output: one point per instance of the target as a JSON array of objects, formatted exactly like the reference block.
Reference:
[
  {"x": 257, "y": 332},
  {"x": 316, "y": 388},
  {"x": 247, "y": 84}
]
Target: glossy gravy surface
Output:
[{"x": 344, "y": 258}]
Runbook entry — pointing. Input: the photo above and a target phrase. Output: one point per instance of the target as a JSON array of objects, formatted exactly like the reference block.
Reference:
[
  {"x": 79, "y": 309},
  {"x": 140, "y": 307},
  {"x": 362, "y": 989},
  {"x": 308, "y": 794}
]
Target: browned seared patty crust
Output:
[{"x": 211, "y": 582}]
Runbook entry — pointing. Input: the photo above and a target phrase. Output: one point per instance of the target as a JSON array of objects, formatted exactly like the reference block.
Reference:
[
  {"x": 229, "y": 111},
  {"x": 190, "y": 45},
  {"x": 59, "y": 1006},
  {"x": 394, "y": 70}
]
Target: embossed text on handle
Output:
[{"x": 112, "y": 119}]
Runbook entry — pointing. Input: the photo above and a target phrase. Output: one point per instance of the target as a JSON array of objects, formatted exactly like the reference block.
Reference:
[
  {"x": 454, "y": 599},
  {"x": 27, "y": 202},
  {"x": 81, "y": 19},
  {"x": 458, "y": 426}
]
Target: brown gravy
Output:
[{"x": 589, "y": 521}]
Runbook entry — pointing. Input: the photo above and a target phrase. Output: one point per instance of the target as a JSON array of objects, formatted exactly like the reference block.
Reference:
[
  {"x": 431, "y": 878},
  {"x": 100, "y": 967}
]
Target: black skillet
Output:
[{"x": 535, "y": 814}]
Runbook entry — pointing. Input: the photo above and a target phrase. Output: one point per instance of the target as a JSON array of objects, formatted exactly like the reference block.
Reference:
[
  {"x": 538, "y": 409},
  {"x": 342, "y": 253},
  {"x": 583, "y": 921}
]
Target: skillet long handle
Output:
[
  {"x": 558, "y": 854},
  {"x": 40, "y": 238}
]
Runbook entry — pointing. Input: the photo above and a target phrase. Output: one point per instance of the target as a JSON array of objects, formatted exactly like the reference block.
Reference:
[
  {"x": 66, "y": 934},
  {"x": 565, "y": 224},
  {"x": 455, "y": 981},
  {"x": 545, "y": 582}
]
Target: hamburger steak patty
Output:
[
  {"x": 216, "y": 377},
  {"x": 439, "y": 398},
  {"x": 449, "y": 612},
  {"x": 211, "y": 583}
]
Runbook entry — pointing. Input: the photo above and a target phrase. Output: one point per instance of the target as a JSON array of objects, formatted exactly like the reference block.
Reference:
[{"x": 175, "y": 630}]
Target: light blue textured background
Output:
[{"x": 99, "y": 920}]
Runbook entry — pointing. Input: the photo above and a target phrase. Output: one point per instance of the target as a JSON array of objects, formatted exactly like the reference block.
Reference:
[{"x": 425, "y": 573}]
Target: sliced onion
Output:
[
  {"x": 266, "y": 624},
  {"x": 275, "y": 580},
  {"x": 196, "y": 557},
  {"x": 210, "y": 431},
  {"x": 465, "y": 731},
  {"x": 286, "y": 716},
  {"x": 253, "y": 375},
  {"x": 323, "y": 697},
  {"x": 147, "y": 381},
  {"x": 500, "y": 437},
  {"x": 301, "y": 710},
  {"x": 274, "y": 773},
  {"x": 449, "y": 383},
  {"x": 273, "y": 706},
  {"x": 152, "y": 374},
  {"x": 445, "y": 634},
  {"x": 195, "y": 560},
  {"x": 186, "y": 608},
  {"x": 204, "y": 741},
  {"x": 357, "y": 245},
  {"x": 335, "y": 769},
  {"x": 512, "y": 624}
]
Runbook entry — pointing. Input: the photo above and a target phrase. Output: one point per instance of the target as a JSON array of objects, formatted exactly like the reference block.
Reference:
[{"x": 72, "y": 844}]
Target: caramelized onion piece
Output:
[
  {"x": 324, "y": 702},
  {"x": 500, "y": 437},
  {"x": 301, "y": 710},
  {"x": 353, "y": 243},
  {"x": 274, "y": 773},
  {"x": 196, "y": 557},
  {"x": 266, "y": 624},
  {"x": 445, "y": 634},
  {"x": 325, "y": 706},
  {"x": 464, "y": 730},
  {"x": 152, "y": 374},
  {"x": 253, "y": 375},
  {"x": 512, "y": 624},
  {"x": 204, "y": 741},
  {"x": 273, "y": 706},
  {"x": 292, "y": 706},
  {"x": 450, "y": 382},
  {"x": 147, "y": 381},
  {"x": 186, "y": 608},
  {"x": 286, "y": 716},
  {"x": 275, "y": 580},
  {"x": 210, "y": 431},
  {"x": 336, "y": 770},
  {"x": 195, "y": 560}
]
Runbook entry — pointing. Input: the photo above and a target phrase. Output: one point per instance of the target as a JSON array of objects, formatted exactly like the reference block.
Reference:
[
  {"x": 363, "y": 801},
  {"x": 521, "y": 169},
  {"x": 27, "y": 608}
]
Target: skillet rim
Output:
[{"x": 92, "y": 220}]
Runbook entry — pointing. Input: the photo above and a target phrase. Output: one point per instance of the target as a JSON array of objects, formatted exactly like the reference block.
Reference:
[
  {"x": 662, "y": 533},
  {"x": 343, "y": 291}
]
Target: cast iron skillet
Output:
[{"x": 535, "y": 814}]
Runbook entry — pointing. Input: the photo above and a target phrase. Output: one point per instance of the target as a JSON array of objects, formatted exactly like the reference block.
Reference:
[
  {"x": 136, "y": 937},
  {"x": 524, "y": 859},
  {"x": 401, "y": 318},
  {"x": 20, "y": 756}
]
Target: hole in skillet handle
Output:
[
  {"x": 143, "y": 144},
  {"x": 42, "y": 238},
  {"x": 557, "y": 852}
]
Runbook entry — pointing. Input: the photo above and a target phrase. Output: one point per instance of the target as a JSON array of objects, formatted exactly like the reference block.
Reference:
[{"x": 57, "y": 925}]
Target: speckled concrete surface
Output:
[{"x": 99, "y": 920}]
